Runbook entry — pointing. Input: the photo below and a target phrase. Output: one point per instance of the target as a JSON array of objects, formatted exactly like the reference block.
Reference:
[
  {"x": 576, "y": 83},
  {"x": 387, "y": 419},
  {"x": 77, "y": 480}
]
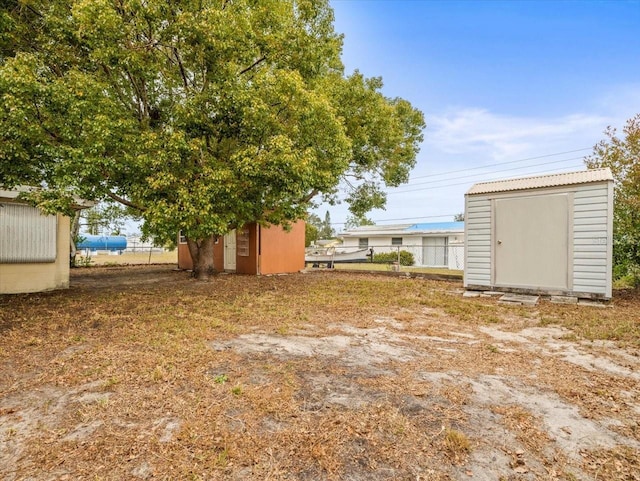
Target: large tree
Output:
[
  {"x": 622, "y": 156},
  {"x": 203, "y": 116}
]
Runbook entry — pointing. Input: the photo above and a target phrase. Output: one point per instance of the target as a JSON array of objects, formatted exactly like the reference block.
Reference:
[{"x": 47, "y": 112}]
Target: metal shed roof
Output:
[{"x": 537, "y": 182}]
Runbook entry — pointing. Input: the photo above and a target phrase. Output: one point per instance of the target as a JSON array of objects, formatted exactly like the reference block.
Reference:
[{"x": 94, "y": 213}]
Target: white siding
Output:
[
  {"x": 592, "y": 217},
  {"x": 477, "y": 222},
  {"x": 591, "y": 237}
]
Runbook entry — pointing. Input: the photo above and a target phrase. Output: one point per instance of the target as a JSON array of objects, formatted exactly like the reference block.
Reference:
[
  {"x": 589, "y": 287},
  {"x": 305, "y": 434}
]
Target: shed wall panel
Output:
[
  {"x": 477, "y": 241},
  {"x": 592, "y": 218}
]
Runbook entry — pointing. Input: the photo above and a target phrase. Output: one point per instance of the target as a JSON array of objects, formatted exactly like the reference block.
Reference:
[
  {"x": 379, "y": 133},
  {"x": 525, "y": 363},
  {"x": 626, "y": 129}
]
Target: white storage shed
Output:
[{"x": 548, "y": 234}]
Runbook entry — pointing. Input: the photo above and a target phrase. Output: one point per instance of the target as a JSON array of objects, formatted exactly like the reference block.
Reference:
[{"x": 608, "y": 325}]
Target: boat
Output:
[{"x": 331, "y": 256}]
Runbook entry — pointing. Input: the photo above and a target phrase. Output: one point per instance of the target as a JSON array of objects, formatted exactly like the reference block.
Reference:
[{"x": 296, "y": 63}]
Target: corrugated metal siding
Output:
[
  {"x": 590, "y": 228},
  {"x": 477, "y": 267},
  {"x": 26, "y": 236},
  {"x": 540, "y": 181}
]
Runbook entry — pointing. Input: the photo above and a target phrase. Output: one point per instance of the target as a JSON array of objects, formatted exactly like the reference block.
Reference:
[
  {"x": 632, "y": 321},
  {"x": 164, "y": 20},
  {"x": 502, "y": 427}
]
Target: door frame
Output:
[{"x": 230, "y": 262}]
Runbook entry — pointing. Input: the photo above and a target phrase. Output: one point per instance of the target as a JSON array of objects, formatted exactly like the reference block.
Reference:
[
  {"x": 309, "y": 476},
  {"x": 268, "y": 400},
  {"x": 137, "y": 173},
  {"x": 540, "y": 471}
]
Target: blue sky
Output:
[{"x": 498, "y": 82}]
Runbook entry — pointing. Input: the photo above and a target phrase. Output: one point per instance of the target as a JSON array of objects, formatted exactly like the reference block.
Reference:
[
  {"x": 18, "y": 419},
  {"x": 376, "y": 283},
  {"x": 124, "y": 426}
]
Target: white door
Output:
[
  {"x": 531, "y": 242},
  {"x": 230, "y": 251}
]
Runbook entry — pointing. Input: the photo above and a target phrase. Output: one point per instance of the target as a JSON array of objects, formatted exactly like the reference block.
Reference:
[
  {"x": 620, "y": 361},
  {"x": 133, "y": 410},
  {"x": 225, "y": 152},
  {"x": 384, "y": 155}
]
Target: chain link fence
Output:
[{"x": 399, "y": 257}]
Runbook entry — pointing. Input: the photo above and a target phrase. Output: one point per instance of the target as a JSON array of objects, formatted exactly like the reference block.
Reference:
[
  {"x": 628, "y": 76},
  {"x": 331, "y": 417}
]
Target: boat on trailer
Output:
[{"x": 332, "y": 256}]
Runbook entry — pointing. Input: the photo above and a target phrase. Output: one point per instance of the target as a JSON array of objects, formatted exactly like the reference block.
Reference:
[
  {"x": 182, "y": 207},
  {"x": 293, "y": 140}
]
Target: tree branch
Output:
[
  {"x": 253, "y": 65},
  {"x": 138, "y": 94},
  {"x": 52, "y": 134},
  {"x": 310, "y": 196},
  {"x": 116, "y": 87},
  {"x": 182, "y": 72},
  {"x": 123, "y": 201}
]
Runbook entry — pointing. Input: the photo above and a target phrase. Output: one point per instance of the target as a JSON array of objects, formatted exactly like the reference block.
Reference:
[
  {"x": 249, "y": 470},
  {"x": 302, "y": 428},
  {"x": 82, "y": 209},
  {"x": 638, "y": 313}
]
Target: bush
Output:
[{"x": 406, "y": 258}]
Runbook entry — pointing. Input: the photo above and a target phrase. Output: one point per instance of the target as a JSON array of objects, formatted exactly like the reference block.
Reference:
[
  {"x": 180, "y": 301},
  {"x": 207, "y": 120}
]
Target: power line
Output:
[
  {"x": 404, "y": 218},
  {"x": 480, "y": 180},
  {"x": 493, "y": 172},
  {"x": 486, "y": 180},
  {"x": 501, "y": 163}
]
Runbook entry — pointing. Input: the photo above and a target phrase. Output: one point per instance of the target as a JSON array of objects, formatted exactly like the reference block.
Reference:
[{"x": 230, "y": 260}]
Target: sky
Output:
[{"x": 508, "y": 88}]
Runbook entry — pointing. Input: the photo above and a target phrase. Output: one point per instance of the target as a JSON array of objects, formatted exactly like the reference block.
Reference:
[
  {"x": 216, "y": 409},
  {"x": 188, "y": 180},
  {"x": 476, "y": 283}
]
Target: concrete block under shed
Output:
[
  {"x": 592, "y": 303},
  {"x": 519, "y": 299},
  {"x": 564, "y": 300}
]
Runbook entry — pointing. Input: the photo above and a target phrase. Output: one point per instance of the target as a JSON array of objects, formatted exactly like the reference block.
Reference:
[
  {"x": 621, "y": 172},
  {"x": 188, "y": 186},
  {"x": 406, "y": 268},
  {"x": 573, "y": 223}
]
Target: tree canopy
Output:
[
  {"x": 354, "y": 221},
  {"x": 202, "y": 116},
  {"x": 622, "y": 156}
]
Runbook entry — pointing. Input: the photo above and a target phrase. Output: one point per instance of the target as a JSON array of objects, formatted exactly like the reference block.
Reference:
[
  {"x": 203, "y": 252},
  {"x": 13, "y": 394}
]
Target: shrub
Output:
[{"x": 406, "y": 258}]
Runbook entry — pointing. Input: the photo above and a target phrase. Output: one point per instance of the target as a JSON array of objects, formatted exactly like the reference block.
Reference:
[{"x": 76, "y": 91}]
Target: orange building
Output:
[{"x": 254, "y": 250}]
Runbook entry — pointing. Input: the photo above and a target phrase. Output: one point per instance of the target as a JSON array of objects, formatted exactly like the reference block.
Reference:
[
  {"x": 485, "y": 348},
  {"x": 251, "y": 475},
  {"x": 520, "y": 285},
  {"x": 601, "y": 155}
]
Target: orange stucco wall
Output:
[
  {"x": 185, "y": 262},
  {"x": 271, "y": 250},
  {"x": 247, "y": 264},
  {"x": 282, "y": 251}
]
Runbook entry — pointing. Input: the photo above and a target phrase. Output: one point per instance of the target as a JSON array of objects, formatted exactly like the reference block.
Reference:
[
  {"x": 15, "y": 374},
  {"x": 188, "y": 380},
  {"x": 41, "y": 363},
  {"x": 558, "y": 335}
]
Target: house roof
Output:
[
  {"x": 438, "y": 227},
  {"x": 400, "y": 229},
  {"x": 14, "y": 193},
  {"x": 537, "y": 182}
]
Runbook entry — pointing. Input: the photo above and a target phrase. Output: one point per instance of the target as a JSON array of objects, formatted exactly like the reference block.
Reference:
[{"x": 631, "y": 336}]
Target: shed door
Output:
[
  {"x": 230, "y": 251},
  {"x": 531, "y": 242}
]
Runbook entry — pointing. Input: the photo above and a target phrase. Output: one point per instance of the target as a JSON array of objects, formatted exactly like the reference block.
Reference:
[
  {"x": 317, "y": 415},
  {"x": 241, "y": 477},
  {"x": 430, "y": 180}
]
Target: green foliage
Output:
[
  {"x": 354, "y": 221},
  {"x": 108, "y": 218},
  {"x": 311, "y": 233},
  {"x": 326, "y": 231},
  {"x": 621, "y": 156},
  {"x": 82, "y": 261},
  {"x": 406, "y": 258},
  {"x": 318, "y": 229},
  {"x": 203, "y": 116}
]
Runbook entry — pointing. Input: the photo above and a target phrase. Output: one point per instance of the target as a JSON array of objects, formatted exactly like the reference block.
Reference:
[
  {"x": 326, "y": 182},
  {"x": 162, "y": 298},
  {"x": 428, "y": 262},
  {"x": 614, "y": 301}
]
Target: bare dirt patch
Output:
[{"x": 143, "y": 373}]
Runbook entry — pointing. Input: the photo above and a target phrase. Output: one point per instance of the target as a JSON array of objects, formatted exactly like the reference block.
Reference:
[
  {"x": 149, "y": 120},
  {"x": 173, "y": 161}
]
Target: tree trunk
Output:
[
  {"x": 75, "y": 229},
  {"x": 201, "y": 251}
]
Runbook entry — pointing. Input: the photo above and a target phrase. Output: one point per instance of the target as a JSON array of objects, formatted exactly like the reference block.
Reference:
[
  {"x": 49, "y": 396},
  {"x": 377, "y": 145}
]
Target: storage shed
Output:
[
  {"x": 254, "y": 249},
  {"x": 548, "y": 234}
]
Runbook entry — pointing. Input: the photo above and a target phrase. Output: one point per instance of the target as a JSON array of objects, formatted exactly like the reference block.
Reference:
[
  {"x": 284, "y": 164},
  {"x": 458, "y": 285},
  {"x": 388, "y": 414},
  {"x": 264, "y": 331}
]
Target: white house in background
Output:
[
  {"x": 436, "y": 244},
  {"x": 34, "y": 247},
  {"x": 549, "y": 234}
]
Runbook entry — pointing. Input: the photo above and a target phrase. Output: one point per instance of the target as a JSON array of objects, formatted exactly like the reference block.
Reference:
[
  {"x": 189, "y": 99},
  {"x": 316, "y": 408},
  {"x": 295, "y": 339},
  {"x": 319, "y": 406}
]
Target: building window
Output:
[
  {"x": 396, "y": 241},
  {"x": 27, "y": 235},
  {"x": 183, "y": 238},
  {"x": 363, "y": 242}
]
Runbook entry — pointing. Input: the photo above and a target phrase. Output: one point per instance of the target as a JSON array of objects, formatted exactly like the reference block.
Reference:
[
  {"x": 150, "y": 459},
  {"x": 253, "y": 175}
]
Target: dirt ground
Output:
[{"x": 144, "y": 373}]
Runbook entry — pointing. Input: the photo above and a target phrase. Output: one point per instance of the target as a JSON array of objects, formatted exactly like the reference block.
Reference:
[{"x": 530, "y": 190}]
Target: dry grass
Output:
[
  {"x": 141, "y": 372},
  {"x": 133, "y": 258},
  {"x": 371, "y": 267}
]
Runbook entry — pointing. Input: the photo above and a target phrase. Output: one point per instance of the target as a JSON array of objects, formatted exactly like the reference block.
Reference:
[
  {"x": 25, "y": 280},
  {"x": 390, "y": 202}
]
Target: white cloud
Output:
[
  {"x": 481, "y": 132},
  {"x": 502, "y": 137}
]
